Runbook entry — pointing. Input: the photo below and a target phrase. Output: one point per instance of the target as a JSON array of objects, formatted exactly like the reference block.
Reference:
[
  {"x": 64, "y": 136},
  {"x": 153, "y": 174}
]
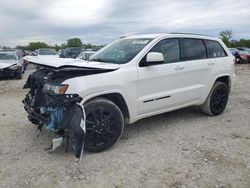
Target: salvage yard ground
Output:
[{"x": 183, "y": 148}]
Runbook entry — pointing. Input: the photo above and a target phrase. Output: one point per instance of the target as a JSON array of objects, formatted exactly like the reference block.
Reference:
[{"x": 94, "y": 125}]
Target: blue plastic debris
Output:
[{"x": 56, "y": 117}]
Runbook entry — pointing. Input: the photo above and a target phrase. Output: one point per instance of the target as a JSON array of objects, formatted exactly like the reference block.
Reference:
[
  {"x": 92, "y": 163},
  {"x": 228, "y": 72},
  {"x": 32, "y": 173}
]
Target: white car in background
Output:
[
  {"x": 85, "y": 55},
  {"x": 11, "y": 64},
  {"x": 89, "y": 102}
]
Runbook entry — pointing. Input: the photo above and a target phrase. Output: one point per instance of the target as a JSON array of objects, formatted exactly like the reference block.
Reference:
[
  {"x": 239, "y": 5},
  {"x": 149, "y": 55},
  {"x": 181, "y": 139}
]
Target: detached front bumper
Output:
[
  {"x": 40, "y": 109},
  {"x": 60, "y": 113},
  {"x": 34, "y": 115},
  {"x": 7, "y": 72}
]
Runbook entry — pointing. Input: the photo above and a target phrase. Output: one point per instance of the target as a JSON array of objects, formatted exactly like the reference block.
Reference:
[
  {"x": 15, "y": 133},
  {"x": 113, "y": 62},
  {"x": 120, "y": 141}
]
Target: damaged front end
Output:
[{"x": 48, "y": 106}]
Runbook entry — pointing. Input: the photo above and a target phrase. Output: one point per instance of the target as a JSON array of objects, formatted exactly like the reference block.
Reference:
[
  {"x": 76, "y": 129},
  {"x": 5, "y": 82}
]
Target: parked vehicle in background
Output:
[
  {"x": 33, "y": 53},
  {"x": 27, "y": 52},
  {"x": 95, "y": 49},
  {"x": 233, "y": 50},
  {"x": 245, "y": 57},
  {"x": 235, "y": 53},
  {"x": 89, "y": 102},
  {"x": 11, "y": 64},
  {"x": 21, "y": 54},
  {"x": 62, "y": 53},
  {"x": 85, "y": 55},
  {"x": 46, "y": 52},
  {"x": 243, "y": 49},
  {"x": 73, "y": 52}
]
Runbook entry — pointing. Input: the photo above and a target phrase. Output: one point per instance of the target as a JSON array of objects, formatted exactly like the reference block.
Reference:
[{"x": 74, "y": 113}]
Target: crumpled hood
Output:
[
  {"x": 7, "y": 63},
  {"x": 61, "y": 63}
]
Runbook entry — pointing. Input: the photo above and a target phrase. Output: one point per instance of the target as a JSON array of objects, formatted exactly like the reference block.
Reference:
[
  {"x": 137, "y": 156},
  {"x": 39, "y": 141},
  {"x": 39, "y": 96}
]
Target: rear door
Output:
[
  {"x": 199, "y": 68},
  {"x": 216, "y": 54}
]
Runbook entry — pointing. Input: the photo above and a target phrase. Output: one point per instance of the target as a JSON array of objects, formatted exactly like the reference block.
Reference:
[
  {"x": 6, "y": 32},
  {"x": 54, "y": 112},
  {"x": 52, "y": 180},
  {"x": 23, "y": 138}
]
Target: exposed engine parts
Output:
[{"x": 59, "y": 113}]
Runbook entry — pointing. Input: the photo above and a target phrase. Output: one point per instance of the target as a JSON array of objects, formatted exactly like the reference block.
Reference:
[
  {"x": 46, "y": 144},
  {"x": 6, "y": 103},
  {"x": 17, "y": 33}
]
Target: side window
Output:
[
  {"x": 193, "y": 49},
  {"x": 214, "y": 49},
  {"x": 170, "y": 50}
]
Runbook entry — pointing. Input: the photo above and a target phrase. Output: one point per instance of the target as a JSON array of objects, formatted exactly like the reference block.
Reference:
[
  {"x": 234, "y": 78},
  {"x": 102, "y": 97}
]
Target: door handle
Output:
[
  {"x": 211, "y": 63},
  {"x": 179, "y": 67}
]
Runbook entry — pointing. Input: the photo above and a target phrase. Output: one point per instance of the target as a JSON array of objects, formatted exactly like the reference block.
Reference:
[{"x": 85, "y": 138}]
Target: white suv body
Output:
[
  {"x": 156, "y": 89},
  {"x": 167, "y": 72}
]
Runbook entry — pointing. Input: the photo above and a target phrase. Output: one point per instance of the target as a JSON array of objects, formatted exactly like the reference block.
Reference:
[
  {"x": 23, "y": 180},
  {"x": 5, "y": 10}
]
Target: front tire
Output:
[
  {"x": 104, "y": 124},
  {"x": 217, "y": 99}
]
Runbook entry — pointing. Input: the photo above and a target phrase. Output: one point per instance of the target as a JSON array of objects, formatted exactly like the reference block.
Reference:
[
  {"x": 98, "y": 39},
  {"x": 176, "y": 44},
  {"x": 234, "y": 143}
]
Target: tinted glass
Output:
[
  {"x": 75, "y": 50},
  {"x": 47, "y": 52},
  {"x": 193, "y": 49},
  {"x": 214, "y": 49},
  {"x": 122, "y": 51},
  {"x": 170, "y": 50}
]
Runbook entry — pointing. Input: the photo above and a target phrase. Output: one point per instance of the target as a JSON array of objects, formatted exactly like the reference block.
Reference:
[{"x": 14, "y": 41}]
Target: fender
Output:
[
  {"x": 131, "y": 111},
  {"x": 212, "y": 83}
]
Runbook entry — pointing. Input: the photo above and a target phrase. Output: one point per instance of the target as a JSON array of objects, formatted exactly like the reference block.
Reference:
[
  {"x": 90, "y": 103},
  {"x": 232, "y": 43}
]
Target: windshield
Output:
[
  {"x": 47, "y": 52},
  {"x": 7, "y": 56},
  {"x": 122, "y": 51}
]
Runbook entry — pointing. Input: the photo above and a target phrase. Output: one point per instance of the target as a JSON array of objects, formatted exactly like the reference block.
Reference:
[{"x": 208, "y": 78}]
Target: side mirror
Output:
[{"x": 154, "y": 58}]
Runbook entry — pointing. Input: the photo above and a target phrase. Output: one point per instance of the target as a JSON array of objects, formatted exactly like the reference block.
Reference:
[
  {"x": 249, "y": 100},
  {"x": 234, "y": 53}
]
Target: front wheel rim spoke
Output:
[
  {"x": 105, "y": 138},
  {"x": 109, "y": 131}
]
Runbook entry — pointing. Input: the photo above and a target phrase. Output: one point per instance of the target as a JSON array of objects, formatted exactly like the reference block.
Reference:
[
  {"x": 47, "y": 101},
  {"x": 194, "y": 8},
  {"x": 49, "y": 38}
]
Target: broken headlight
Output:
[{"x": 55, "y": 89}]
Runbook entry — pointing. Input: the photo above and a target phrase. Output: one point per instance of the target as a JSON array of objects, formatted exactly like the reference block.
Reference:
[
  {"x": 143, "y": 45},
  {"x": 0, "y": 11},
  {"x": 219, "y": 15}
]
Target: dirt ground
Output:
[{"x": 183, "y": 148}]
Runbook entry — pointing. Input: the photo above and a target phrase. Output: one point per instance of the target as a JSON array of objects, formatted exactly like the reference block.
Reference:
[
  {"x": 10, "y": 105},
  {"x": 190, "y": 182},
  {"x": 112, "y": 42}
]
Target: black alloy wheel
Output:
[
  {"x": 219, "y": 99},
  {"x": 104, "y": 124}
]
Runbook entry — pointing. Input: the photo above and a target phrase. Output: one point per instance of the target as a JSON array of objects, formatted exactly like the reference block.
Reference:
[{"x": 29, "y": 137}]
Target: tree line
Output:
[
  {"x": 227, "y": 37},
  {"x": 73, "y": 42}
]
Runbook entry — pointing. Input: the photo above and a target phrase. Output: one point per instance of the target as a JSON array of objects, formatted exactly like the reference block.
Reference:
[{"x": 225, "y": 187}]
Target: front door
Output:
[{"x": 161, "y": 86}]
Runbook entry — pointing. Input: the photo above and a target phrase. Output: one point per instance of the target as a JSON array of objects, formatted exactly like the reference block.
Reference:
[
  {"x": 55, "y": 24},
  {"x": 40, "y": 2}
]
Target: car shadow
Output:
[
  {"x": 159, "y": 122},
  {"x": 8, "y": 79}
]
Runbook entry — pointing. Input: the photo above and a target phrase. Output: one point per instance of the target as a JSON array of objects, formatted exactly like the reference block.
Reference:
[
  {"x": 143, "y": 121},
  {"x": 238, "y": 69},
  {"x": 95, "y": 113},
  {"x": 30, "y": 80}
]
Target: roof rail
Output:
[{"x": 192, "y": 34}]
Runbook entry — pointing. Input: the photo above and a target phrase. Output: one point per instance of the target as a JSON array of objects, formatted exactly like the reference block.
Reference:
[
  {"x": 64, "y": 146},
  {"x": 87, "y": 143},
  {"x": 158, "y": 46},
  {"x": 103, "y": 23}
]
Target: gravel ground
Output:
[{"x": 183, "y": 148}]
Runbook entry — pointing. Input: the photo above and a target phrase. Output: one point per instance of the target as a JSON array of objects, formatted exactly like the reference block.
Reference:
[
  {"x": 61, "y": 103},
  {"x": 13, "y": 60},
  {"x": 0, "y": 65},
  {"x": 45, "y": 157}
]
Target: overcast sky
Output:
[{"x": 101, "y": 21}]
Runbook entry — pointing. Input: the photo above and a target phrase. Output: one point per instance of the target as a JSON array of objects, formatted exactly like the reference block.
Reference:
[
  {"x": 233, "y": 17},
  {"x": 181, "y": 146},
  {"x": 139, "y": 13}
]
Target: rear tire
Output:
[
  {"x": 104, "y": 124},
  {"x": 217, "y": 99}
]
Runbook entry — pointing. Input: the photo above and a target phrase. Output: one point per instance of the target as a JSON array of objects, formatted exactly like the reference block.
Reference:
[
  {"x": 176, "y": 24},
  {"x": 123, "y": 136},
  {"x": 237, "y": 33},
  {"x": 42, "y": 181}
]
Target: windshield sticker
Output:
[{"x": 140, "y": 42}]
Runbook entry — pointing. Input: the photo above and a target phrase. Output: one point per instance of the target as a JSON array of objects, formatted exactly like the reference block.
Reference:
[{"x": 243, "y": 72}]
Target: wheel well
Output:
[
  {"x": 119, "y": 101},
  {"x": 226, "y": 80}
]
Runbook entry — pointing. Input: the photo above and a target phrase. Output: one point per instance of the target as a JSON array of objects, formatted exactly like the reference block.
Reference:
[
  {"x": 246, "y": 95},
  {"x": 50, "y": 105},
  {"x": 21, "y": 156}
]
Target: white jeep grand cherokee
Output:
[{"x": 89, "y": 102}]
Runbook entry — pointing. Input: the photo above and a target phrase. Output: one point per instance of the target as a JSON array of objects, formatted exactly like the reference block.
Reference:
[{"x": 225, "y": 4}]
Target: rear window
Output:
[
  {"x": 193, "y": 49},
  {"x": 214, "y": 49}
]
